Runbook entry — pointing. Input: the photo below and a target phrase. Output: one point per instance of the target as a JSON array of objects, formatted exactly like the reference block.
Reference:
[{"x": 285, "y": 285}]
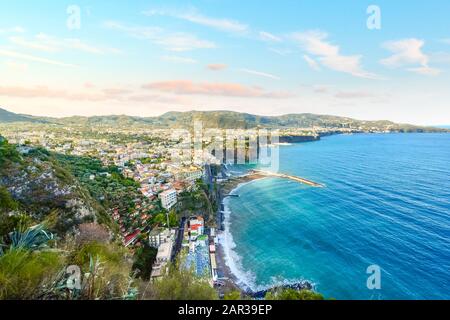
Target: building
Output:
[
  {"x": 162, "y": 258},
  {"x": 191, "y": 174},
  {"x": 160, "y": 236},
  {"x": 168, "y": 199},
  {"x": 196, "y": 227},
  {"x": 131, "y": 238}
]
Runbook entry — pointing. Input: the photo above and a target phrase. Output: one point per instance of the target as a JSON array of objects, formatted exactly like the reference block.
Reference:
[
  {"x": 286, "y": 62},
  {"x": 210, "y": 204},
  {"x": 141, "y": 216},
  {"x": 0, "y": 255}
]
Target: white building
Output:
[
  {"x": 191, "y": 174},
  {"x": 160, "y": 236},
  {"x": 162, "y": 258},
  {"x": 168, "y": 198}
]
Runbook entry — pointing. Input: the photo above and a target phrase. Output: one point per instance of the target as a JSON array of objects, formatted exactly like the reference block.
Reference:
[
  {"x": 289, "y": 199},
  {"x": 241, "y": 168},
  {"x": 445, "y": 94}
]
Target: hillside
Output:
[
  {"x": 8, "y": 117},
  {"x": 39, "y": 186},
  {"x": 224, "y": 120}
]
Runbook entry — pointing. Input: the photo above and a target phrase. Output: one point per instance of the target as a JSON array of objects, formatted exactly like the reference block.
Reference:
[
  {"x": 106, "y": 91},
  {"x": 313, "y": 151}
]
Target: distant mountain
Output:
[
  {"x": 6, "y": 116},
  {"x": 224, "y": 120}
]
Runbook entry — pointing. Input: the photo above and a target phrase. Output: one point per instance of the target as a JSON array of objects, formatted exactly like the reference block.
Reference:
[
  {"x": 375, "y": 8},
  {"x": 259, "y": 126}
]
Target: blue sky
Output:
[{"x": 145, "y": 58}]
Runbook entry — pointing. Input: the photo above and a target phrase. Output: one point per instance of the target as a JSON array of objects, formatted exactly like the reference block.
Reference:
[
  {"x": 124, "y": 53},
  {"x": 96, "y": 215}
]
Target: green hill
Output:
[
  {"x": 40, "y": 186},
  {"x": 224, "y": 120},
  {"x": 8, "y": 117}
]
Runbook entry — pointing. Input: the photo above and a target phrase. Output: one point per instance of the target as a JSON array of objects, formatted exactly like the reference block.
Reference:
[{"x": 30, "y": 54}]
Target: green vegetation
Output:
[
  {"x": 143, "y": 261},
  {"x": 29, "y": 269},
  {"x": 161, "y": 219},
  {"x": 221, "y": 119},
  {"x": 105, "y": 184},
  {"x": 7, "y": 203},
  {"x": 196, "y": 202},
  {"x": 292, "y": 294},
  {"x": 8, "y": 152},
  {"x": 233, "y": 295},
  {"x": 182, "y": 284},
  {"x": 23, "y": 273}
]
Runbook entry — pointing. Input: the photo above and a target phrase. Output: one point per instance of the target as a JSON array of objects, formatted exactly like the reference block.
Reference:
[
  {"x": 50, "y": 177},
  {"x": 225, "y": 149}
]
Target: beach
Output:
[
  {"x": 233, "y": 183},
  {"x": 226, "y": 261}
]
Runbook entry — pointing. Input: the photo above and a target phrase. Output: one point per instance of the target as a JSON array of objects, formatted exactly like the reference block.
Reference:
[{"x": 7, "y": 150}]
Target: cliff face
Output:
[{"x": 298, "y": 139}]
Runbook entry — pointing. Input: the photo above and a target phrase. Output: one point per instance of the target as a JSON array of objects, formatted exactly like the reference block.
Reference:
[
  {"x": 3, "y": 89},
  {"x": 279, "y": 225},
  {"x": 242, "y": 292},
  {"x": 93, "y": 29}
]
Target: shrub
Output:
[
  {"x": 106, "y": 269},
  {"x": 7, "y": 203},
  {"x": 292, "y": 294},
  {"x": 23, "y": 273},
  {"x": 182, "y": 284},
  {"x": 143, "y": 261}
]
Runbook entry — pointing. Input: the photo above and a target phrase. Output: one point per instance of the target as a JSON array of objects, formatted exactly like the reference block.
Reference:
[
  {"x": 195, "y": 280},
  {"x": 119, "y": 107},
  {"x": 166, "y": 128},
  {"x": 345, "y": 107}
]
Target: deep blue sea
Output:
[{"x": 386, "y": 203}]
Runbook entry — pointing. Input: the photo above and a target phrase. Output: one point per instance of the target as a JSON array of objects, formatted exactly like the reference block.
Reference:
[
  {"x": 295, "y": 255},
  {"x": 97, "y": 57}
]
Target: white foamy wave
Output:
[{"x": 246, "y": 279}]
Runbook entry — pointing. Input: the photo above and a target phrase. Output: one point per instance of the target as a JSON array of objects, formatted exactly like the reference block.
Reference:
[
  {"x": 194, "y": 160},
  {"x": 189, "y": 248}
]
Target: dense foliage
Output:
[
  {"x": 292, "y": 294},
  {"x": 8, "y": 153},
  {"x": 182, "y": 284},
  {"x": 144, "y": 258},
  {"x": 105, "y": 183}
]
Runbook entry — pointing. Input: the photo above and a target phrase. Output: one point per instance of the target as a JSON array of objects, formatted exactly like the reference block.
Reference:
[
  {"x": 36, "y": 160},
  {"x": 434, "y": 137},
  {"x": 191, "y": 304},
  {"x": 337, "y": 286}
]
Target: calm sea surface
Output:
[{"x": 387, "y": 203}]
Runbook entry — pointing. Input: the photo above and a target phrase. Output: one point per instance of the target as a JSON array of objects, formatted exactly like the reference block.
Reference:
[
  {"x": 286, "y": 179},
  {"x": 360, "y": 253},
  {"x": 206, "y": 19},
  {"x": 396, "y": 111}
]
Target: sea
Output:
[{"x": 380, "y": 229}]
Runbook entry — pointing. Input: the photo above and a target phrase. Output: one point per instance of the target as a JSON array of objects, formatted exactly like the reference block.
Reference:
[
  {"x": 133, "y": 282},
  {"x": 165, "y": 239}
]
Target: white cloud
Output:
[
  {"x": 22, "y": 56},
  {"x": 16, "y": 66},
  {"x": 193, "y": 16},
  {"x": 328, "y": 55},
  {"x": 172, "y": 41},
  {"x": 269, "y": 37},
  {"x": 281, "y": 52},
  {"x": 16, "y": 29},
  {"x": 408, "y": 52},
  {"x": 44, "y": 42},
  {"x": 311, "y": 62},
  {"x": 426, "y": 71},
  {"x": 260, "y": 74},
  {"x": 178, "y": 59}
]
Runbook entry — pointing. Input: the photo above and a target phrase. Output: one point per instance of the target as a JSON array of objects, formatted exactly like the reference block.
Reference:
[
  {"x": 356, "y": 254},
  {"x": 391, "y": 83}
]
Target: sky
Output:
[{"x": 363, "y": 59}]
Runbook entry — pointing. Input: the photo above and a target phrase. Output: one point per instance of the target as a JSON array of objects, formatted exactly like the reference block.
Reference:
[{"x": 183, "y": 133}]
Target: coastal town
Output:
[
  {"x": 157, "y": 216},
  {"x": 163, "y": 189}
]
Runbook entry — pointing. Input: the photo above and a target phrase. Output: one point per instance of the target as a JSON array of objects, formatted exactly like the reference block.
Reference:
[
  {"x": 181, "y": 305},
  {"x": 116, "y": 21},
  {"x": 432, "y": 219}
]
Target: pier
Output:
[{"x": 290, "y": 177}]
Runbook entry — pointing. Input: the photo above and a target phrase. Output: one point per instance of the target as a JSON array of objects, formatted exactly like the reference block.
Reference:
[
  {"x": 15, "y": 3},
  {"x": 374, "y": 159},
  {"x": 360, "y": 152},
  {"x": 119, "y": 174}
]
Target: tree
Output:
[
  {"x": 23, "y": 273},
  {"x": 7, "y": 203},
  {"x": 292, "y": 294},
  {"x": 143, "y": 261},
  {"x": 182, "y": 284},
  {"x": 232, "y": 295}
]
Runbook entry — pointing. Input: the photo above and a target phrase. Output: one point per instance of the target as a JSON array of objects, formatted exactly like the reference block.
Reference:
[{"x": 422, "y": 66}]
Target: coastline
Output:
[
  {"x": 232, "y": 184},
  {"x": 227, "y": 262}
]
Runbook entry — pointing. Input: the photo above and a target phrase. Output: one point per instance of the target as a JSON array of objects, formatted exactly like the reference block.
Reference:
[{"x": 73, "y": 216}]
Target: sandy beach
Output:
[
  {"x": 227, "y": 187},
  {"x": 232, "y": 183}
]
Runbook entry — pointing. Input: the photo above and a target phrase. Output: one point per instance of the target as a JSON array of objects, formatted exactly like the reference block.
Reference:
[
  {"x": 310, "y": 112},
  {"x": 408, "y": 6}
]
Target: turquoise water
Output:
[{"x": 387, "y": 202}]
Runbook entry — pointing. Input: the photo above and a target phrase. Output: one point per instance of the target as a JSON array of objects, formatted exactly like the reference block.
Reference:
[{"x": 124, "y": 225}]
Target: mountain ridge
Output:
[{"x": 225, "y": 120}]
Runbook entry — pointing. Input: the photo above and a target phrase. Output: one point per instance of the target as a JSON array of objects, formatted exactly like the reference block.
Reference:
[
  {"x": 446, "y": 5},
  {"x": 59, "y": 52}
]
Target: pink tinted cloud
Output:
[
  {"x": 213, "y": 89},
  {"x": 216, "y": 66},
  {"x": 108, "y": 94}
]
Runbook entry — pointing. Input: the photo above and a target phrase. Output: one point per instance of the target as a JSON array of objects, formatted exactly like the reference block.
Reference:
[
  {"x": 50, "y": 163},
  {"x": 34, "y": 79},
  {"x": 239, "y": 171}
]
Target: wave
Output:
[{"x": 246, "y": 279}]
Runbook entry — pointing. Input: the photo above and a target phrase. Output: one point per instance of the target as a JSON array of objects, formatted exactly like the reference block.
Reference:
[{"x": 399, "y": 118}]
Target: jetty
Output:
[{"x": 290, "y": 177}]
